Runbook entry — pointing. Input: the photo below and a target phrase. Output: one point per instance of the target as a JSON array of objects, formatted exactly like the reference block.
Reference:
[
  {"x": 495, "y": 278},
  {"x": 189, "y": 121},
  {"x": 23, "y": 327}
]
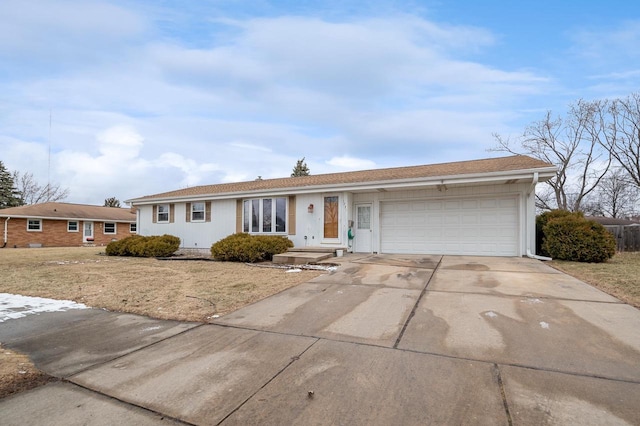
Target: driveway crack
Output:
[
  {"x": 291, "y": 361},
  {"x": 415, "y": 307},
  {"x": 498, "y": 376}
]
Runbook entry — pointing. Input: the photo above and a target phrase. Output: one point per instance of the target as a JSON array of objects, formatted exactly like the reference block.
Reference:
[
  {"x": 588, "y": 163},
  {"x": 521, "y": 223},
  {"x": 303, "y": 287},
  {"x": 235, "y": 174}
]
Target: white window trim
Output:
[
  {"x": 203, "y": 211},
  {"x": 132, "y": 231},
  {"x": 77, "y": 222},
  {"x": 261, "y": 219},
  {"x": 39, "y": 225},
  {"x": 104, "y": 228},
  {"x": 168, "y": 213}
]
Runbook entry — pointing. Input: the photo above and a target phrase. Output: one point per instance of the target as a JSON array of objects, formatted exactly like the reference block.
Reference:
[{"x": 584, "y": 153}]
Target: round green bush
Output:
[
  {"x": 574, "y": 238},
  {"x": 542, "y": 220},
  {"x": 249, "y": 248},
  {"x": 139, "y": 246}
]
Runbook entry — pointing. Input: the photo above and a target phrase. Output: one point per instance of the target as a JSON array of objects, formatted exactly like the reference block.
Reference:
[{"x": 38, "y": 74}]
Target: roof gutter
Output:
[
  {"x": 6, "y": 231},
  {"x": 534, "y": 182},
  {"x": 532, "y": 189}
]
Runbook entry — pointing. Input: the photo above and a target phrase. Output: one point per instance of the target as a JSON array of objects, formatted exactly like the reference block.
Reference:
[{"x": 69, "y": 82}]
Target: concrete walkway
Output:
[{"x": 382, "y": 340}]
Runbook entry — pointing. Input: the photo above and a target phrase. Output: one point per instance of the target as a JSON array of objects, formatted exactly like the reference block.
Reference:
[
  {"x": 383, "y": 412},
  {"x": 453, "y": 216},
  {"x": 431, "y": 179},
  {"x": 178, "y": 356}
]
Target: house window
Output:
[
  {"x": 197, "y": 212},
  {"x": 109, "y": 228},
  {"x": 163, "y": 213},
  {"x": 331, "y": 217},
  {"x": 34, "y": 225},
  {"x": 266, "y": 215},
  {"x": 133, "y": 228},
  {"x": 72, "y": 226}
]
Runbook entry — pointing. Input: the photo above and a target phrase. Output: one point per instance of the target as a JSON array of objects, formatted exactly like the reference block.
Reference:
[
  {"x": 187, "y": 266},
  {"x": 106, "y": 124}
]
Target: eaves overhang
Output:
[
  {"x": 527, "y": 175},
  {"x": 77, "y": 219}
]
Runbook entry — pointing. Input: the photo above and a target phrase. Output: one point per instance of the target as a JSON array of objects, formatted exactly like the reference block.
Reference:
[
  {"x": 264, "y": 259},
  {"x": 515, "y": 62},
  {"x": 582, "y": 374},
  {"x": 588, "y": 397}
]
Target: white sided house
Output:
[{"x": 481, "y": 207}]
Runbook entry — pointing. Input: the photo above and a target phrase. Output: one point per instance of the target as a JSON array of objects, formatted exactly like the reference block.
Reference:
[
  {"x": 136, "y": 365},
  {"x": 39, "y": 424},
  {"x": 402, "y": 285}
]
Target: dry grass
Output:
[
  {"x": 18, "y": 374},
  {"x": 166, "y": 289},
  {"x": 171, "y": 289},
  {"x": 620, "y": 276}
]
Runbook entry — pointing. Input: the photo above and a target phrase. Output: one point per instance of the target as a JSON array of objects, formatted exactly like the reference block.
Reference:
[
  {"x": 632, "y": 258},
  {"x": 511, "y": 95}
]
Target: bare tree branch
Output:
[
  {"x": 573, "y": 145},
  {"x": 623, "y": 134},
  {"x": 34, "y": 193}
]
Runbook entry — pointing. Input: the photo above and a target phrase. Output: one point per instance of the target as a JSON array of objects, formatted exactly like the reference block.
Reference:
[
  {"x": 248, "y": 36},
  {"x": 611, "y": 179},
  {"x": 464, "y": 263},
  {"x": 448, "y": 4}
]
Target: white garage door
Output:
[{"x": 479, "y": 226}]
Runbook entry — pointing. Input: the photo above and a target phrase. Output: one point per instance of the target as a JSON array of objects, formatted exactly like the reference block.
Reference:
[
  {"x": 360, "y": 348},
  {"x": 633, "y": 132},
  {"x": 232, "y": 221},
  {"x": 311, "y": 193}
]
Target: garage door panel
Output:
[
  {"x": 481, "y": 226},
  {"x": 470, "y": 204}
]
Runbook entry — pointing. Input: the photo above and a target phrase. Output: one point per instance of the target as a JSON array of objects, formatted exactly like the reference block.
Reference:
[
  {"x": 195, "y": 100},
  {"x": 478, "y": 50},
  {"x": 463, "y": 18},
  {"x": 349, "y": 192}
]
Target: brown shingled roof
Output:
[
  {"x": 70, "y": 211},
  {"x": 489, "y": 165},
  {"x": 612, "y": 221}
]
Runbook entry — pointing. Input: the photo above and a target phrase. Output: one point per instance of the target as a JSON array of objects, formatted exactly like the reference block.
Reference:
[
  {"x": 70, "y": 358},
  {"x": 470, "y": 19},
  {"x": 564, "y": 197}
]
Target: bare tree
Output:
[
  {"x": 33, "y": 193},
  {"x": 573, "y": 145},
  {"x": 623, "y": 135},
  {"x": 616, "y": 196}
]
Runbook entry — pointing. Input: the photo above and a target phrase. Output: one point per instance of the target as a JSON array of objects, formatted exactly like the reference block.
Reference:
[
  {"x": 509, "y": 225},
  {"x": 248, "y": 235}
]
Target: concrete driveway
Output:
[{"x": 383, "y": 340}]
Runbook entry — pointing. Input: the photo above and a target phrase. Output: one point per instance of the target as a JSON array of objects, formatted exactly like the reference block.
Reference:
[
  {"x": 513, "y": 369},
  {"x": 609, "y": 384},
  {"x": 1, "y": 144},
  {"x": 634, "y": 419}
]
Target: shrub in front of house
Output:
[
  {"x": 542, "y": 220},
  {"x": 249, "y": 248},
  {"x": 572, "y": 237},
  {"x": 139, "y": 246}
]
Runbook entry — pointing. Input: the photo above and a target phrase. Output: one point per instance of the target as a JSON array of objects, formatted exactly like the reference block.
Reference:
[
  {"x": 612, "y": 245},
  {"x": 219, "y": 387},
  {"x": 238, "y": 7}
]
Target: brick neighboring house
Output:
[{"x": 64, "y": 225}]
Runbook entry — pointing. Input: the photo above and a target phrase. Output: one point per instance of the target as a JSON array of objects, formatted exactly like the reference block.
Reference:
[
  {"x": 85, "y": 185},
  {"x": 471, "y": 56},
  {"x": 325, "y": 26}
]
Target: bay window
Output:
[{"x": 265, "y": 215}]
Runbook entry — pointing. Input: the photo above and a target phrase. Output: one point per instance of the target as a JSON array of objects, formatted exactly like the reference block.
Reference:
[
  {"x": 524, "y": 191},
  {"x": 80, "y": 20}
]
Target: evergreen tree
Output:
[
  {"x": 300, "y": 169},
  {"x": 9, "y": 195},
  {"x": 112, "y": 202}
]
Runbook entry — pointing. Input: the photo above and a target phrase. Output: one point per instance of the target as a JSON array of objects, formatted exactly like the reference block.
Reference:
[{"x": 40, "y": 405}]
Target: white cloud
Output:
[
  {"x": 351, "y": 163},
  {"x": 155, "y": 111},
  {"x": 192, "y": 171},
  {"x": 64, "y": 32},
  {"x": 356, "y": 61},
  {"x": 120, "y": 143},
  {"x": 606, "y": 44}
]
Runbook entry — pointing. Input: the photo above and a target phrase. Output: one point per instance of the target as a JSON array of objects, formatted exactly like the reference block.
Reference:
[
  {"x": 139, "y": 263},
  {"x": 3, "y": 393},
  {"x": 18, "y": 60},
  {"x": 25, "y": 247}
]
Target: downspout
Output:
[
  {"x": 532, "y": 188},
  {"x": 6, "y": 231}
]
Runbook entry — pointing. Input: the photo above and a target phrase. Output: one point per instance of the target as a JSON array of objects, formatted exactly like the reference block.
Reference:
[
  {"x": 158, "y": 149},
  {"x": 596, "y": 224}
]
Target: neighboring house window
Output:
[
  {"x": 34, "y": 225},
  {"x": 72, "y": 226},
  {"x": 133, "y": 228},
  {"x": 197, "y": 212},
  {"x": 163, "y": 213},
  {"x": 331, "y": 217},
  {"x": 266, "y": 215},
  {"x": 109, "y": 228}
]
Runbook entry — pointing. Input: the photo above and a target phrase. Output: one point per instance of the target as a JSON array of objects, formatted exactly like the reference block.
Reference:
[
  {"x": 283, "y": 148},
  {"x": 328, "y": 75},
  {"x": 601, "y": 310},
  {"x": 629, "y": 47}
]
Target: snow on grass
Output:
[{"x": 14, "y": 306}]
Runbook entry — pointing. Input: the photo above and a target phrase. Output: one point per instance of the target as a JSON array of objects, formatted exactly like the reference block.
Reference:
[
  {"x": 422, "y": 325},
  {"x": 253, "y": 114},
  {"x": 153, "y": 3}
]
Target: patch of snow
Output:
[
  {"x": 214, "y": 316},
  {"x": 491, "y": 314},
  {"x": 294, "y": 270},
  {"x": 532, "y": 301},
  {"x": 157, "y": 327},
  {"x": 14, "y": 306},
  {"x": 544, "y": 325}
]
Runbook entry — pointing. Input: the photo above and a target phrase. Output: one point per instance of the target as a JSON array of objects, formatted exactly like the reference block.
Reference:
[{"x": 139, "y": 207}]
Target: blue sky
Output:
[{"x": 151, "y": 96}]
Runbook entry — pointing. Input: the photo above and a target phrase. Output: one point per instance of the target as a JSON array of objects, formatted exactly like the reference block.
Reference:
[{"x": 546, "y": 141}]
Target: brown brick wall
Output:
[{"x": 54, "y": 233}]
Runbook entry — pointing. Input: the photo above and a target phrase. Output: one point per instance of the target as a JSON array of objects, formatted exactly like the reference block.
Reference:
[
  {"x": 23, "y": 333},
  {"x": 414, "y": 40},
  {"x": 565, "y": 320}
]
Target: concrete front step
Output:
[
  {"x": 300, "y": 258},
  {"x": 317, "y": 249}
]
